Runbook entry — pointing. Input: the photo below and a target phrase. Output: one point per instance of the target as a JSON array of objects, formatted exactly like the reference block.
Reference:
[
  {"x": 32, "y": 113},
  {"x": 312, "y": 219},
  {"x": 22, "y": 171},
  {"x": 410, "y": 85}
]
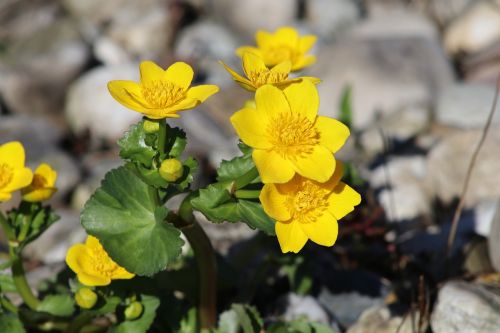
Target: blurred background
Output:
[{"x": 415, "y": 78}]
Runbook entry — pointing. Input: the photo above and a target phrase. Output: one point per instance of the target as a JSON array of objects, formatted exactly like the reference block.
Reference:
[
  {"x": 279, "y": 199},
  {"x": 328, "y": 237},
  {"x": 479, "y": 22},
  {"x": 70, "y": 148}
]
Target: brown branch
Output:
[{"x": 461, "y": 203}]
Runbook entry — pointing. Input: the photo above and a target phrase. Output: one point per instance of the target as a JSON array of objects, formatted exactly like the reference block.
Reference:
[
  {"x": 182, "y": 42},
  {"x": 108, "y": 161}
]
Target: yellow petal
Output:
[
  {"x": 272, "y": 167},
  {"x": 180, "y": 74},
  {"x": 253, "y": 63},
  {"x": 303, "y": 98},
  {"x": 20, "y": 178},
  {"x": 48, "y": 173},
  {"x": 202, "y": 92},
  {"x": 263, "y": 38},
  {"x": 244, "y": 49},
  {"x": 342, "y": 200},
  {"x": 286, "y": 36},
  {"x": 128, "y": 94},
  {"x": 12, "y": 154},
  {"x": 332, "y": 133},
  {"x": 122, "y": 274},
  {"x": 40, "y": 194},
  {"x": 251, "y": 128},
  {"x": 74, "y": 256},
  {"x": 273, "y": 203},
  {"x": 319, "y": 165},
  {"x": 93, "y": 280},
  {"x": 5, "y": 196},
  {"x": 290, "y": 236},
  {"x": 306, "y": 43},
  {"x": 150, "y": 72},
  {"x": 283, "y": 67},
  {"x": 271, "y": 101},
  {"x": 303, "y": 62},
  {"x": 323, "y": 231},
  {"x": 313, "y": 79},
  {"x": 243, "y": 82}
]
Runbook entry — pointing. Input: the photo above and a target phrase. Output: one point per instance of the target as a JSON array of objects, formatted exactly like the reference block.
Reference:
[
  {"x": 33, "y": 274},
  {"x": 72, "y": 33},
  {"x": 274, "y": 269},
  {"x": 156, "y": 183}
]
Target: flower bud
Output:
[
  {"x": 171, "y": 169},
  {"x": 133, "y": 311},
  {"x": 150, "y": 126},
  {"x": 85, "y": 298}
]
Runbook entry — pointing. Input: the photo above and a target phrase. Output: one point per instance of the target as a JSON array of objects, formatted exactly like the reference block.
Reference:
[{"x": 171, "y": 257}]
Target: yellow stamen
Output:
[
  {"x": 161, "y": 94},
  {"x": 6, "y": 174},
  {"x": 260, "y": 78},
  {"x": 308, "y": 203},
  {"x": 102, "y": 263}
]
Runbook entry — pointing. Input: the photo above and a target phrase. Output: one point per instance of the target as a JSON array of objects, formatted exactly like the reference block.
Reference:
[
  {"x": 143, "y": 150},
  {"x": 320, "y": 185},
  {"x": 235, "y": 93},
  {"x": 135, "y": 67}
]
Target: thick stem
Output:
[
  {"x": 6, "y": 304},
  {"x": 20, "y": 281},
  {"x": 6, "y": 227},
  {"x": 246, "y": 179},
  {"x": 247, "y": 194},
  {"x": 162, "y": 137},
  {"x": 207, "y": 273}
]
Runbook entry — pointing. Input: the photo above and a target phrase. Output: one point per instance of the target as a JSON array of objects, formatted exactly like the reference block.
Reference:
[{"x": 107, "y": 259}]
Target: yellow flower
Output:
[
  {"x": 161, "y": 93},
  {"x": 288, "y": 136},
  {"x": 42, "y": 186},
  {"x": 13, "y": 174},
  {"x": 285, "y": 44},
  {"x": 92, "y": 264},
  {"x": 171, "y": 169},
  {"x": 305, "y": 209},
  {"x": 258, "y": 74}
]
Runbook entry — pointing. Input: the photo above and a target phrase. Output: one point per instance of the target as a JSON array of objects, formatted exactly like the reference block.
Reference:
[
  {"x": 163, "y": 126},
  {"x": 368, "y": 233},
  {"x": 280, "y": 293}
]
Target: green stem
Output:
[
  {"x": 6, "y": 227},
  {"x": 6, "y": 304},
  {"x": 246, "y": 179},
  {"x": 162, "y": 137},
  {"x": 20, "y": 281},
  {"x": 207, "y": 273},
  {"x": 247, "y": 194}
]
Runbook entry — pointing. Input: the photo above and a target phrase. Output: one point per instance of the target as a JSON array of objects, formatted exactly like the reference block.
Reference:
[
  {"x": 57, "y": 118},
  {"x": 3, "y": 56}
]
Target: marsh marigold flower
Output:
[
  {"x": 42, "y": 186},
  {"x": 161, "y": 93},
  {"x": 258, "y": 74},
  {"x": 287, "y": 135},
  {"x": 92, "y": 264},
  {"x": 305, "y": 209},
  {"x": 285, "y": 44},
  {"x": 13, "y": 174}
]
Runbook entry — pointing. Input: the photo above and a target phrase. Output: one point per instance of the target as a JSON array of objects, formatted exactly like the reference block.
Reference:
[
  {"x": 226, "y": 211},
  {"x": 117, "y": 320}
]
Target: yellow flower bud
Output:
[
  {"x": 171, "y": 169},
  {"x": 85, "y": 298},
  {"x": 150, "y": 126},
  {"x": 133, "y": 311}
]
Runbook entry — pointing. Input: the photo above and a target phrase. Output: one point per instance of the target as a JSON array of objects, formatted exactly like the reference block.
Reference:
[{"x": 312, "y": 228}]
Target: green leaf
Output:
[
  {"x": 7, "y": 284},
  {"x": 176, "y": 141},
  {"x": 57, "y": 305},
  {"x": 241, "y": 316},
  {"x": 10, "y": 323},
  {"x": 253, "y": 214},
  {"x": 346, "y": 107},
  {"x": 134, "y": 147},
  {"x": 104, "y": 306},
  {"x": 190, "y": 167},
  {"x": 123, "y": 216},
  {"x": 216, "y": 203},
  {"x": 142, "y": 323},
  {"x": 237, "y": 167},
  {"x": 42, "y": 220}
]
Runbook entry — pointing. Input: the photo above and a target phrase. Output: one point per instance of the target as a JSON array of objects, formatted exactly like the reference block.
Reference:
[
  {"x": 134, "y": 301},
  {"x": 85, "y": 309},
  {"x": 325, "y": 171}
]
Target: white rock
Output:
[
  {"x": 466, "y": 105},
  {"x": 298, "y": 306},
  {"x": 90, "y": 106},
  {"x": 110, "y": 53},
  {"x": 326, "y": 18},
  {"x": 484, "y": 214},
  {"x": 477, "y": 28},
  {"x": 449, "y": 160},
  {"x": 466, "y": 307},
  {"x": 494, "y": 240},
  {"x": 378, "y": 319},
  {"x": 444, "y": 11}
]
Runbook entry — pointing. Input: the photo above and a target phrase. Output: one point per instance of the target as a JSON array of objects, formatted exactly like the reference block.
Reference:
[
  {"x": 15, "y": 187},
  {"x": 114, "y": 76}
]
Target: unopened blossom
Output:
[
  {"x": 161, "y": 93},
  {"x": 92, "y": 264},
  {"x": 282, "y": 45},
  {"x": 287, "y": 135},
  {"x": 42, "y": 186},
  {"x": 258, "y": 74},
  {"x": 13, "y": 174},
  {"x": 305, "y": 209}
]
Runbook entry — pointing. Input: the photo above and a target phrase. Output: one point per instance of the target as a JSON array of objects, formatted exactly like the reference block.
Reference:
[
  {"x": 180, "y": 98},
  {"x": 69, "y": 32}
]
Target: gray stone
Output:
[
  {"x": 466, "y": 307},
  {"x": 386, "y": 75},
  {"x": 477, "y": 28},
  {"x": 90, "y": 106},
  {"x": 298, "y": 306},
  {"x": 483, "y": 216},
  {"x": 327, "y": 18},
  {"x": 445, "y": 11},
  {"x": 110, "y": 53},
  {"x": 378, "y": 319},
  {"x": 494, "y": 240},
  {"x": 466, "y": 105},
  {"x": 449, "y": 160}
]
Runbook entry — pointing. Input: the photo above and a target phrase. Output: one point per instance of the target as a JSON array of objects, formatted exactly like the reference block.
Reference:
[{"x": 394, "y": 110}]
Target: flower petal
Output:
[
  {"x": 48, "y": 173},
  {"x": 273, "y": 203},
  {"x": 251, "y": 128},
  {"x": 290, "y": 236},
  {"x": 332, "y": 133},
  {"x": 272, "y": 167},
  {"x": 179, "y": 73},
  {"x": 202, "y": 92},
  {"x": 5, "y": 196},
  {"x": 306, "y": 43},
  {"x": 271, "y": 101},
  {"x": 240, "y": 51},
  {"x": 12, "y": 154},
  {"x": 286, "y": 36},
  {"x": 245, "y": 83},
  {"x": 253, "y": 63},
  {"x": 150, "y": 72},
  {"x": 303, "y": 98},
  {"x": 319, "y": 165},
  {"x": 323, "y": 231},
  {"x": 263, "y": 38},
  {"x": 303, "y": 62},
  {"x": 128, "y": 94},
  {"x": 343, "y": 200},
  {"x": 20, "y": 178},
  {"x": 283, "y": 67},
  {"x": 122, "y": 274}
]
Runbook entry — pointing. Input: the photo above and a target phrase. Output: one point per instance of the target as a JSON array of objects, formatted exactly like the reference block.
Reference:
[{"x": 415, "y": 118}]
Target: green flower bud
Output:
[
  {"x": 133, "y": 311},
  {"x": 85, "y": 298},
  {"x": 171, "y": 169},
  {"x": 150, "y": 126}
]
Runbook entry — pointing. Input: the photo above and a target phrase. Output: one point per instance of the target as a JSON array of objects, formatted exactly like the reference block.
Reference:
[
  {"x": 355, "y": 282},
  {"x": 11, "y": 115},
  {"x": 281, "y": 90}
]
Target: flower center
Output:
[
  {"x": 260, "y": 78},
  {"x": 275, "y": 55},
  {"x": 39, "y": 181},
  {"x": 307, "y": 203},
  {"x": 6, "y": 174},
  {"x": 162, "y": 94},
  {"x": 102, "y": 263},
  {"x": 292, "y": 134}
]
